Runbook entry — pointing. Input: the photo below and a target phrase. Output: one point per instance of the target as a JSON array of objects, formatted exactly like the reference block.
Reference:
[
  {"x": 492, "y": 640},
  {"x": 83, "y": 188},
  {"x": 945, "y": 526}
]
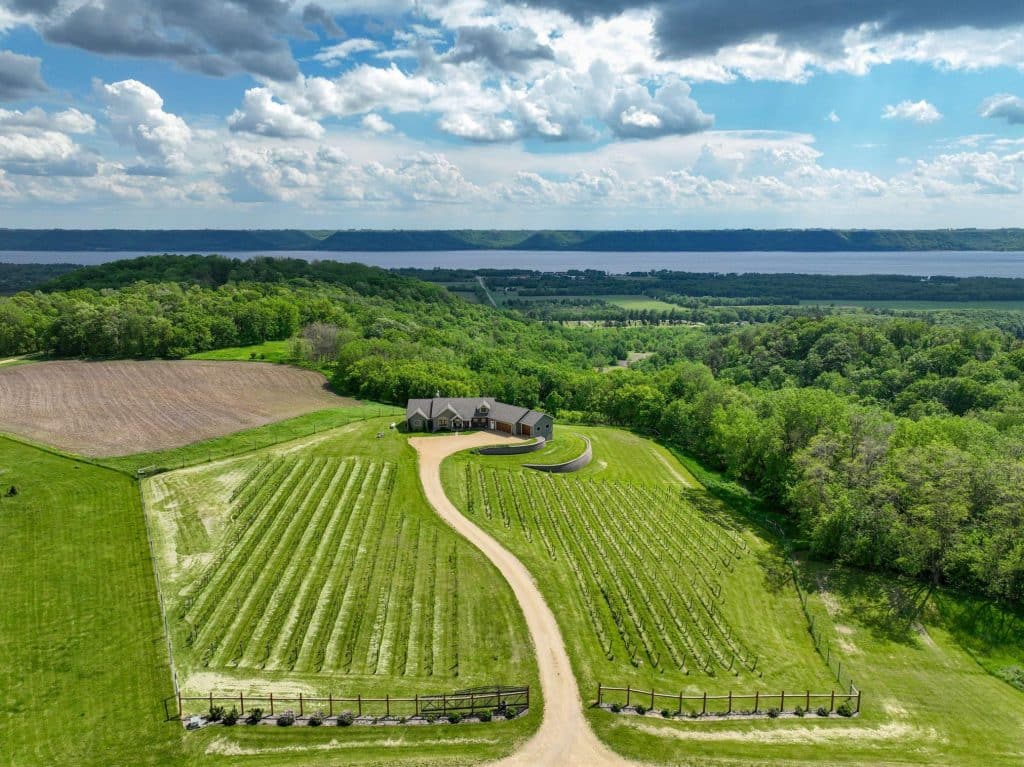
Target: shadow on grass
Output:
[{"x": 888, "y": 608}]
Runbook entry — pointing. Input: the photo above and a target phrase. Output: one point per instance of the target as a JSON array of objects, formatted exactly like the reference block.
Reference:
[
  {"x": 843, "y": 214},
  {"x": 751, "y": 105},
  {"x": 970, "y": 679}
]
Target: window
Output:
[{"x": 442, "y": 422}]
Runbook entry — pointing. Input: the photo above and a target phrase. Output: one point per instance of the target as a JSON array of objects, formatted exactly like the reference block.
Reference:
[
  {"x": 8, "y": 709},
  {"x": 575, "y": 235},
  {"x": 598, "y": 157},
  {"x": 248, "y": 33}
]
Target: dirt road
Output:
[{"x": 564, "y": 737}]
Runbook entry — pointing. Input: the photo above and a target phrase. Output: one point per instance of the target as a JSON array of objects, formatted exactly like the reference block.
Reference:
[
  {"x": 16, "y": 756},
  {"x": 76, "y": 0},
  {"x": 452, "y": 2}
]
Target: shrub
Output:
[
  {"x": 286, "y": 719},
  {"x": 799, "y": 711},
  {"x": 484, "y": 716},
  {"x": 666, "y": 713},
  {"x": 431, "y": 718},
  {"x": 511, "y": 712},
  {"x": 216, "y": 713},
  {"x": 345, "y": 719},
  {"x": 822, "y": 711},
  {"x": 640, "y": 709},
  {"x": 694, "y": 715},
  {"x": 844, "y": 709},
  {"x": 616, "y": 708},
  {"x": 454, "y": 718},
  {"x": 773, "y": 713},
  {"x": 231, "y": 717},
  {"x": 254, "y": 716},
  {"x": 316, "y": 719}
]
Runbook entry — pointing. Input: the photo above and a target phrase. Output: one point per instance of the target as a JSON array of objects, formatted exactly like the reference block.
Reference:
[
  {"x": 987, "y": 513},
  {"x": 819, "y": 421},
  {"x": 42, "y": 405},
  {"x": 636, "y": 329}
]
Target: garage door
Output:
[
  {"x": 527, "y": 431},
  {"x": 505, "y": 427}
]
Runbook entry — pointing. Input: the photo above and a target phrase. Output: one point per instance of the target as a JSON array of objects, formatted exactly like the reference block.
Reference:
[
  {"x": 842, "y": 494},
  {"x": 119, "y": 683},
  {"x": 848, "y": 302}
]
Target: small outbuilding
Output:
[{"x": 458, "y": 413}]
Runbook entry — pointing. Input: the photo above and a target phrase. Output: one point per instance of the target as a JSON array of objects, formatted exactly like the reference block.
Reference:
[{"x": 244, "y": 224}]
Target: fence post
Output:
[
  {"x": 416, "y": 703},
  {"x": 527, "y": 696},
  {"x": 782, "y": 701},
  {"x": 832, "y": 705},
  {"x": 472, "y": 703},
  {"x": 627, "y": 695},
  {"x": 179, "y": 705},
  {"x": 271, "y": 704},
  {"x": 730, "y": 701},
  {"x": 211, "y": 700},
  {"x": 652, "y": 699},
  {"x": 241, "y": 701},
  {"x": 808, "y": 706},
  {"x": 330, "y": 704},
  {"x": 359, "y": 701},
  {"x": 680, "y": 701},
  {"x": 444, "y": 704},
  {"x": 387, "y": 705},
  {"x": 705, "y": 709},
  {"x": 598, "y": 693},
  {"x": 300, "y": 704},
  {"x": 757, "y": 700},
  {"x": 858, "y": 701}
]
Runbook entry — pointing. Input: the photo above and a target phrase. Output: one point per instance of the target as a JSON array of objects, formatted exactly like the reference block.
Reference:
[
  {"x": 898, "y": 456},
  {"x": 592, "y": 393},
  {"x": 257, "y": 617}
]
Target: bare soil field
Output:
[{"x": 104, "y": 409}]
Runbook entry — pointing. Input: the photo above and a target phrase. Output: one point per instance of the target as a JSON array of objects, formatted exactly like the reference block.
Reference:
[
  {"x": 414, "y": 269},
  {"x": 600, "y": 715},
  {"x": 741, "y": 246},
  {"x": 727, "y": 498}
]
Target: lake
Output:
[{"x": 923, "y": 263}]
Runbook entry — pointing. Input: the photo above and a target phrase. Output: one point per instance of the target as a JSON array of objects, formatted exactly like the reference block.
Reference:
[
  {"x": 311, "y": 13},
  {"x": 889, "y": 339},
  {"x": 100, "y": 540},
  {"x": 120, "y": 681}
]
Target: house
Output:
[{"x": 456, "y": 413}]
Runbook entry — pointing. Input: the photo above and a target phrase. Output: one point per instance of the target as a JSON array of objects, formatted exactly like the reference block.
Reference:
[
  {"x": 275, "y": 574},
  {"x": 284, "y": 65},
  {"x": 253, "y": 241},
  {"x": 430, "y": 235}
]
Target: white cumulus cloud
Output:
[
  {"x": 262, "y": 115},
  {"x": 913, "y": 111}
]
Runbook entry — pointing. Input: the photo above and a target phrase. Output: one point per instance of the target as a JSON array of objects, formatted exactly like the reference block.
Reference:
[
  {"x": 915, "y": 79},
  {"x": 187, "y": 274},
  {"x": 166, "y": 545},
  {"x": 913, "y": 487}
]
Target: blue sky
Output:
[{"x": 469, "y": 113}]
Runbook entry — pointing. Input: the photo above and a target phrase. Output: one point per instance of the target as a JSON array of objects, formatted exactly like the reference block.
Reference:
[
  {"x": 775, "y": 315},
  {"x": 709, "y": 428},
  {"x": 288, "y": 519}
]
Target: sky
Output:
[{"x": 538, "y": 114}]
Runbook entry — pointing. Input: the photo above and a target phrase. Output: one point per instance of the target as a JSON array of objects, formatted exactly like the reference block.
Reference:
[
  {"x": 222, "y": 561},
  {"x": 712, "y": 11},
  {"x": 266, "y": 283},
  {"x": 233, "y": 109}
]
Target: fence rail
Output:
[
  {"x": 649, "y": 698},
  {"x": 478, "y": 699}
]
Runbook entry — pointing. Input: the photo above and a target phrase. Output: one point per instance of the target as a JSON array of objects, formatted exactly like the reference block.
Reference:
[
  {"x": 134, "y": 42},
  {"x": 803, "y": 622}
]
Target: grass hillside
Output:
[
  {"x": 318, "y": 567},
  {"x": 614, "y": 545}
]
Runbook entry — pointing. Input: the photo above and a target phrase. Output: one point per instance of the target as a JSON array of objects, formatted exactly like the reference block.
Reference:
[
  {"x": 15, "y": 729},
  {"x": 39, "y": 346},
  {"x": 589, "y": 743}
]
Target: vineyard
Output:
[
  {"x": 652, "y": 581},
  {"x": 317, "y": 564}
]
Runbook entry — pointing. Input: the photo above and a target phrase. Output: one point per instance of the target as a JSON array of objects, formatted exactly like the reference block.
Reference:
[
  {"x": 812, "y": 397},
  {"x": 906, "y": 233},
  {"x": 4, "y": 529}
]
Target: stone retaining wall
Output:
[
  {"x": 530, "y": 447},
  {"x": 575, "y": 464}
]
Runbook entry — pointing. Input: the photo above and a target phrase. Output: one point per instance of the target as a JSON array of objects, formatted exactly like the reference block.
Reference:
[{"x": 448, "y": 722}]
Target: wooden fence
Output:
[
  {"x": 463, "y": 701},
  {"x": 628, "y": 696}
]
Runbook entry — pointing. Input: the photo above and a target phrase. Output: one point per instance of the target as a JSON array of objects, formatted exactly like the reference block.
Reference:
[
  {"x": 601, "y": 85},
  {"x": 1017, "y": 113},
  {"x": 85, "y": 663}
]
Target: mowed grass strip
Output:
[
  {"x": 83, "y": 661},
  {"x": 650, "y": 588}
]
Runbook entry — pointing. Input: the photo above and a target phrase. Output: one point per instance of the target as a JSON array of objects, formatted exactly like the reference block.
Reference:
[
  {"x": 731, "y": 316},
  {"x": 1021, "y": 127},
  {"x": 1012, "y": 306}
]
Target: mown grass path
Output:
[{"x": 564, "y": 737}]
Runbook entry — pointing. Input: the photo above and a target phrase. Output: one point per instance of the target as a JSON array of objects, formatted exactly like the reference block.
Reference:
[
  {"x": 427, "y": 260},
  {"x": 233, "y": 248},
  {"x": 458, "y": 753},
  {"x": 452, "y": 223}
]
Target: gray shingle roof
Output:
[{"x": 469, "y": 407}]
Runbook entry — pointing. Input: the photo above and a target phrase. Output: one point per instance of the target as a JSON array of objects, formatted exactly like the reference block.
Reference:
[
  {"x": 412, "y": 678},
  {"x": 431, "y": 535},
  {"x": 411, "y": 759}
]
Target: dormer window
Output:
[{"x": 485, "y": 408}]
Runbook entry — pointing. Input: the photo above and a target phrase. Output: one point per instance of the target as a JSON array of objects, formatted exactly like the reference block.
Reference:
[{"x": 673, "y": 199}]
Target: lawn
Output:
[
  {"x": 83, "y": 661},
  {"x": 317, "y": 567},
  {"x": 918, "y": 305},
  {"x": 268, "y": 351},
  {"x": 291, "y": 429}
]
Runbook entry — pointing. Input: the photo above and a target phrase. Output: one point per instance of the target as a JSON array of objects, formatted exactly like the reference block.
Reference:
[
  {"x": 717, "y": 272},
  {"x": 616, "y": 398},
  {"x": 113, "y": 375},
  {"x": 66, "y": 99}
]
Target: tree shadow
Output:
[{"x": 889, "y": 609}]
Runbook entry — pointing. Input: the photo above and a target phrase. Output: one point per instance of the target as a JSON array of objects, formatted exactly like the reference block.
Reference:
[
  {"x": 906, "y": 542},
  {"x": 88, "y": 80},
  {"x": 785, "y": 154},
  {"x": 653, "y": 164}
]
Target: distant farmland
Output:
[{"x": 115, "y": 408}]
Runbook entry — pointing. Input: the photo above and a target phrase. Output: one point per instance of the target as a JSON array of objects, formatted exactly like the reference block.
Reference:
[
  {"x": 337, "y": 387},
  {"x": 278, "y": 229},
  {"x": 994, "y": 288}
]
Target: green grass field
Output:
[
  {"x": 917, "y": 305},
  {"x": 318, "y": 567},
  {"x": 613, "y": 541},
  {"x": 268, "y": 351}
]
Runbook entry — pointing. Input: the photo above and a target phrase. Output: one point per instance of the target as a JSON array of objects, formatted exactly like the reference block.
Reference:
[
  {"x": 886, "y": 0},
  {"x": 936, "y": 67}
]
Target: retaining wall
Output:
[
  {"x": 575, "y": 464},
  {"x": 530, "y": 447}
]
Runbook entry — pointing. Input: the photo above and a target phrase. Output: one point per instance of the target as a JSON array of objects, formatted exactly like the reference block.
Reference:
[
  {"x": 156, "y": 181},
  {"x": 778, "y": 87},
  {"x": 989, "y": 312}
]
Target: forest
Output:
[{"x": 890, "y": 443}]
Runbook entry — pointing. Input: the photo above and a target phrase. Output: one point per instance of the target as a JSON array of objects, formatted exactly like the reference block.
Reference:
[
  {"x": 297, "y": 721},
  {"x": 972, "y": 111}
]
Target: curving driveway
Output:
[{"x": 564, "y": 737}]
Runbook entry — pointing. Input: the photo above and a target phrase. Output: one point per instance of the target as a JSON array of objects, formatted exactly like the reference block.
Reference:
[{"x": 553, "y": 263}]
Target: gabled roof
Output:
[{"x": 468, "y": 408}]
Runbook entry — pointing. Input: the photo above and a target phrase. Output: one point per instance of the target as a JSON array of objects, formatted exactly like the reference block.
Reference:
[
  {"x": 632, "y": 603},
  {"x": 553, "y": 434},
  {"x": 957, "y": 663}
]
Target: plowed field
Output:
[{"x": 116, "y": 408}]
